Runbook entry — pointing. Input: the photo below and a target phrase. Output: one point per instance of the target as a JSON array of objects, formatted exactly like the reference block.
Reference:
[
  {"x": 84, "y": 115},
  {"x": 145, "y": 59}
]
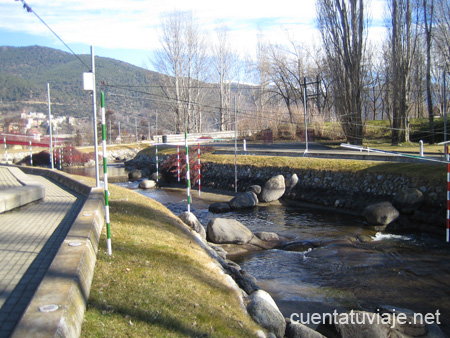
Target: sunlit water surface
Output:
[{"x": 340, "y": 269}]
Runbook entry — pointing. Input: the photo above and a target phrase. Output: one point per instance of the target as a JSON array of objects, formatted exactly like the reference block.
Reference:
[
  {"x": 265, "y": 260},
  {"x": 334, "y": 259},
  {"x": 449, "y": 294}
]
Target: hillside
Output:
[{"x": 25, "y": 72}]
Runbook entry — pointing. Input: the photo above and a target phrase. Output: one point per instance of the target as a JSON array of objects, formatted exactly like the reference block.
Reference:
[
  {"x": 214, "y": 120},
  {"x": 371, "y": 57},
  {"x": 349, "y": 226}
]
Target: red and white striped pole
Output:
[
  {"x": 178, "y": 162},
  {"x": 199, "y": 172},
  {"x": 188, "y": 174}
]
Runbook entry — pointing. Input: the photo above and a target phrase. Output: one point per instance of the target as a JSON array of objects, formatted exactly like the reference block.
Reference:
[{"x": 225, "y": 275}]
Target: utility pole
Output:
[
  {"x": 94, "y": 113},
  {"x": 49, "y": 126},
  {"x": 305, "y": 106}
]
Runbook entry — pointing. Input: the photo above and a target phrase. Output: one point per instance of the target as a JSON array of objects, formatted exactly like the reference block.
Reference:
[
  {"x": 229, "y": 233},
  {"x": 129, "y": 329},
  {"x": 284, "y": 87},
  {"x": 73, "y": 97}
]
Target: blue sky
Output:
[{"x": 127, "y": 30}]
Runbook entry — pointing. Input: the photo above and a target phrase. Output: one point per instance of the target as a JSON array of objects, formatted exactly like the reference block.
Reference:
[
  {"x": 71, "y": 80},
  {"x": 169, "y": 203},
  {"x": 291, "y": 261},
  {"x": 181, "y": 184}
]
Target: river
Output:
[{"x": 344, "y": 264}]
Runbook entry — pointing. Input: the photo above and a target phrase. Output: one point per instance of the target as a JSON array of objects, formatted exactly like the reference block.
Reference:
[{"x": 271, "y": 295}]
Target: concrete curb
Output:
[
  {"x": 58, "y": 306},
  {"x": 12, "y": 198}
]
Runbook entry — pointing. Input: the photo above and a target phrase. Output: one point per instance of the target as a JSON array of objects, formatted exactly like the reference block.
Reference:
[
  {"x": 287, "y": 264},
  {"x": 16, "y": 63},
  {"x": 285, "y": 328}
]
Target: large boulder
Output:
[
  {"x": 273, "y": 189},
  {"x": 244, "y": 200},
  {"x": 147, "y": 184},
  {"x": 356, "y": 324},
  {"x": 191, "y": 221},
  {"x": 267, "y": 236},
  {"x": 135, "y": 175},
  {"x": 408, "y": 200},
  {"x": 223, "y": 231},
  {"x": 298, "y": 330},
  {"x": 409, "y": 196},
  {"x": 255, "y": 188},
  {"x": 381, "y": 213},
  {"x": 292, "y": 181},
  {"x": 219, "y": 207},
  {"x": 265, "y": 312}
]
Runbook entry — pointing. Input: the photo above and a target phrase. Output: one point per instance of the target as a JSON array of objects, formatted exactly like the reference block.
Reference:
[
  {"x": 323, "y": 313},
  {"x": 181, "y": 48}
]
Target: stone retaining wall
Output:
[
  {"x": 350, "y": 191},
  {"x": 372, "y": 185}
]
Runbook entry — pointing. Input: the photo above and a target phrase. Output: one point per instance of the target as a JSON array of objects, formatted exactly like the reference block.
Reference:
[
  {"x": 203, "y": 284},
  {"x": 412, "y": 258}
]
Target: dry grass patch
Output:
[
  {"x": 428, "y": 172},
  {"x": 159, "y": 282}
]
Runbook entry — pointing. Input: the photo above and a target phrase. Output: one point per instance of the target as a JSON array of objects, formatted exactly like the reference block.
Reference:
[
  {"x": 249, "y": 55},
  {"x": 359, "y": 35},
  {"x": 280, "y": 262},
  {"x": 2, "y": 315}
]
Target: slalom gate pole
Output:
[
  {"x": 188, "y": 174},
  {"x": 199, "y": 172},
  {"x": 59, "y": 154},
  {"x": 178, "y": 162},
  {"x": 6, "y": 150},
  {"x": 105, "y": 176},
  {"x": 31, "y": 155}
]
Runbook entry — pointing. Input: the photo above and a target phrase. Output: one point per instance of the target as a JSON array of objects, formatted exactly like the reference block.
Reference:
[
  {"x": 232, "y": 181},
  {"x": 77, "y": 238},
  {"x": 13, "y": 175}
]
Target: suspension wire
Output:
[{"x": 30, "y": 10}]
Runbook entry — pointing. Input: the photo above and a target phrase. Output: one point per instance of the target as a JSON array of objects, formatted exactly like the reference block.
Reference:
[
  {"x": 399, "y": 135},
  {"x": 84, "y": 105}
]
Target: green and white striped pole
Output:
[
  {"x": 188, "y": 174},
  {"x": 105, "y": 176}
]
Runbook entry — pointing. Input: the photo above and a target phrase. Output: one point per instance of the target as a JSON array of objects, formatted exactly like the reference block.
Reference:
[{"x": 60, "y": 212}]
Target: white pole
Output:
[
  {"x": 120, "y": 136},
  {"x": 235, "y": 148},
  {"x": 305, "y": 105},
  {"x": 94, "y": 113},
  {"x": 50, "y": 126},
  {"x": 6, "y": 149}
]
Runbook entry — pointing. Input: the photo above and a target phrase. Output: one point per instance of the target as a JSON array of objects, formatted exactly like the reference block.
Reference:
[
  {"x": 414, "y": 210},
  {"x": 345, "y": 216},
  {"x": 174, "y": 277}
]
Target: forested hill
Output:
[{"x": 25, "y": 72}]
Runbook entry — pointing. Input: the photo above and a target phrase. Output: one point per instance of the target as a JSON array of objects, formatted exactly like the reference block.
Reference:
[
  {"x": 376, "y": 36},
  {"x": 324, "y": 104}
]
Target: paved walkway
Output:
[{"x": 29, "y": 239}]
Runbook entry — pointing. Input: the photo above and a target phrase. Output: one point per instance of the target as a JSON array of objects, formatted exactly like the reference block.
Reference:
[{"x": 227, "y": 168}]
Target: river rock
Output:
[
  {"x": 273, "y": 189},
  {"x": 244, "y": 200},
  {"x": 381, "y": 213},
  {"x": 408, "y": 200},
  {"x": 191, "y": 221},
  {"x": 147, "y": 184},
  {"x": 357, "y": 324},
  {"x": 222, "y": 231},
  {"x": 219, "y": 207},
  {"x": 255, "y": 188},
  {"x": 135, "y": 175},
  {"x": 267, "y": 236},
  {"x": 156, "y": 176},
  {"x": 298, "y": 246},
  {"x": 298, "y": 330},
  {"x": 245, "y": 281},
  {"x": 265, "y": 312},
  {"x": 292, "y": 181},
  {"x": 409, "y": 196}
]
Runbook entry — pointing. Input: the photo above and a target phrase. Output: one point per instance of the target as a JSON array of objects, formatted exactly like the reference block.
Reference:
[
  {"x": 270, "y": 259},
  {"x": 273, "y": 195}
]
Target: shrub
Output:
[{"x": 169, "y": 168}]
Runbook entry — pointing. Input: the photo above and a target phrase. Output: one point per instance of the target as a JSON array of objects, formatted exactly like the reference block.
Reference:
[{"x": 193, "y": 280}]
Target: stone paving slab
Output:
[
  {"x": 29, "y": 240},
  {"x": 17, "y": 189}
]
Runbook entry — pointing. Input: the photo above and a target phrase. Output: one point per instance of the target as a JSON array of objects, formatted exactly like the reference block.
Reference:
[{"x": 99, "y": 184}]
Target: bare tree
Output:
[
  {"x": 402, "y": 42},
  {"x": 428, "y": 13},
  {"x": 442, "y": 31},
  {"x": 183, "y": 58},
  {"x": 342, "y": 24},
  {"x": 224, "y": 63}
]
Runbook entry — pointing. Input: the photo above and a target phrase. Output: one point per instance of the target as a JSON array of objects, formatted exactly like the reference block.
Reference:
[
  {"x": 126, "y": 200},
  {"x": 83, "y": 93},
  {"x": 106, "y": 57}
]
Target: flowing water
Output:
[
  {"x": 340, "y": 265},
  {"x": 343, "y": 264}
]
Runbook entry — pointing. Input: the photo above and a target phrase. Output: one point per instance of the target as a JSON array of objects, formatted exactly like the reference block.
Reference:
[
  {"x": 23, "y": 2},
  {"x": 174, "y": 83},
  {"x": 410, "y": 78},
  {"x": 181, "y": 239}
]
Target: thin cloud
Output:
[{"x": 132, "y": 24}]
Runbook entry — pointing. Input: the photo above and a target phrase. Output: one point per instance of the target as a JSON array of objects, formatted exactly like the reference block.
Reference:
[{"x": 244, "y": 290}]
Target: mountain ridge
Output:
[{"x": 25, "y": 72}]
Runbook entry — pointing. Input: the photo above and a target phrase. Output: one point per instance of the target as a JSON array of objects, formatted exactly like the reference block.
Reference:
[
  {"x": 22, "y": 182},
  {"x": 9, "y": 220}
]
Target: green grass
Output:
[{"x": 159, "y": 282}]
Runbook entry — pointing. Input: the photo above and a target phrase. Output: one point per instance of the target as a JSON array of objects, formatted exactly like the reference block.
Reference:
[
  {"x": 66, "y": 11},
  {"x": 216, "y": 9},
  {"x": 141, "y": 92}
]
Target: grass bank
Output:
[
  {"x": 426, "y": 171},
  {"x": 158, "y": 282}
]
